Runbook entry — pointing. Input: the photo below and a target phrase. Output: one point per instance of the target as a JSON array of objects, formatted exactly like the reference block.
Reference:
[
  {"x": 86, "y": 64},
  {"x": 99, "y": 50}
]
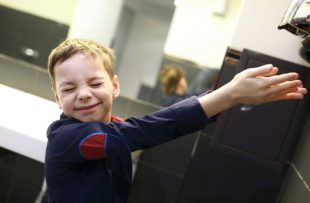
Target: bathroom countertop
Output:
[{"x": 24, "y": 120}]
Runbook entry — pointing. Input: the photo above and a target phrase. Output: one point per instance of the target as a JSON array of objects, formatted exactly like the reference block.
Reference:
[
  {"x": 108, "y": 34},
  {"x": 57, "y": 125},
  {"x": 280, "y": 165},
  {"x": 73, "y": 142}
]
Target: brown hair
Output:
[
  {"x": 69, "y": 47},
  {"x": 169, "y": 77}
]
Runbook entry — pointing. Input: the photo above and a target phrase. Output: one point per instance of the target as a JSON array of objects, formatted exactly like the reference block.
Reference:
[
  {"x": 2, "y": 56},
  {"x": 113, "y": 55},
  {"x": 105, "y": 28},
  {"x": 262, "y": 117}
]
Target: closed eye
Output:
[
  {"x": 96, "y": 84},
  {"x": 68, "y": 89}
]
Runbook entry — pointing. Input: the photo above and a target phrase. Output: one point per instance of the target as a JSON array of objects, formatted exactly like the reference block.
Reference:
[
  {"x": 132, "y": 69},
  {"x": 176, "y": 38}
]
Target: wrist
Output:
[
  {"x": 229, "y": 94},
  {"x": 219, "y": 100}
]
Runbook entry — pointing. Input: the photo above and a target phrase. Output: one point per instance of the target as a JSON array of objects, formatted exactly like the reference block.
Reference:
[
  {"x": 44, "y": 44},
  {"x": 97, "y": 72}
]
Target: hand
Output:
[
  {"x": 262, "y": 85},
  {"x": 253, "y": 86}
]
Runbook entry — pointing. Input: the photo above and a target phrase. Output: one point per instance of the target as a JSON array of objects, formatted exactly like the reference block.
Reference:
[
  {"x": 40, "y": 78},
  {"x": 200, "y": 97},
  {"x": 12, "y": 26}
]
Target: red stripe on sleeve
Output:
[{"x": 92, "y": 147}]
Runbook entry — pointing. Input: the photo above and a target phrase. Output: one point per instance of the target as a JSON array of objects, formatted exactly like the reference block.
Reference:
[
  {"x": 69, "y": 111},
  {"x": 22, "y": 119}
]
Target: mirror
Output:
[
  {"x": 149, "y": 33},
  {"x": 194, "y": 35}
]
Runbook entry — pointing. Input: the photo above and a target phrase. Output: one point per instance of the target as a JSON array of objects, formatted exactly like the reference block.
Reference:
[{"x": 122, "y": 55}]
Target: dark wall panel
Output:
[{"x": 22, "y": 32}]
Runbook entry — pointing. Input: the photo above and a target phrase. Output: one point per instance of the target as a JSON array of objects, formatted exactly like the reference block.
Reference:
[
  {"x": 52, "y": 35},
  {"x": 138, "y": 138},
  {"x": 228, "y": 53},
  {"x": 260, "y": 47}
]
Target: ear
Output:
[
  {"x": 57, "y": 99},
  {"x": 116, "y": 87}
]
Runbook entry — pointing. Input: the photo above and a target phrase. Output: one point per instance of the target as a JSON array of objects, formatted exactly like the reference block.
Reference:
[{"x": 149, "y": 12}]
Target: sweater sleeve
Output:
[
  {"x": 77, "y": 141},
  {"x": 168, "y": 123}
]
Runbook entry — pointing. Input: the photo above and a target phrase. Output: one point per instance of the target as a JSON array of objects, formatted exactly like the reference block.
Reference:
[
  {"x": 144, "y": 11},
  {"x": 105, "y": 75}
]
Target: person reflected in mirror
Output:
[{"x": 174, "y": 84}]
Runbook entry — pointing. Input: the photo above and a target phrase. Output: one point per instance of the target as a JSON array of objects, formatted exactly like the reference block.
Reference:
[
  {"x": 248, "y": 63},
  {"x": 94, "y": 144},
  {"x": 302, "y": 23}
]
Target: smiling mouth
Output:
[{"x": 85, "y": 108}]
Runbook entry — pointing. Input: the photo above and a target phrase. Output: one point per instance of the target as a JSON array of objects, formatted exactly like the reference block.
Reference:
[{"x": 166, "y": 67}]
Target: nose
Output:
[{"x": 84, "y": 94}]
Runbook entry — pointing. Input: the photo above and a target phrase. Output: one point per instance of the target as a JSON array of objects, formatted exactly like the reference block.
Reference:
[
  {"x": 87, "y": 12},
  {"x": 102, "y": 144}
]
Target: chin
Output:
[
  {"x": 94, "y": 119},
  {"x": 86, "y": 119},
  {"x": 90, "y": 120}
]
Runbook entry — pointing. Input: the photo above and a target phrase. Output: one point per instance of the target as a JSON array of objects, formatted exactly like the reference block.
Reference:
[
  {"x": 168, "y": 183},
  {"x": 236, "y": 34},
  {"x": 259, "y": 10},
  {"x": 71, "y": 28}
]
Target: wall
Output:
[
  {"x": 55, "y": 10},
  {"x": 296, "y": 187},
  {"x": 256, "y": 29},
  {"x": 21, "y": 177}
]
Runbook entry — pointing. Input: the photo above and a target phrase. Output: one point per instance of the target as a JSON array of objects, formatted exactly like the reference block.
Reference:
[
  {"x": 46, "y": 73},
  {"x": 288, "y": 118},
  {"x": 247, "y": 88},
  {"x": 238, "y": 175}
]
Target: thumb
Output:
[{"x": 265, "y": 70}]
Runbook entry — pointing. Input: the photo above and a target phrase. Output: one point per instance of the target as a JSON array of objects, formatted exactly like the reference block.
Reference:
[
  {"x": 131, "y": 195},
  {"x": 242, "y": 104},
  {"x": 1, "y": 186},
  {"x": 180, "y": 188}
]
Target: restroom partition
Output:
[{"x": 239, "y": 158}]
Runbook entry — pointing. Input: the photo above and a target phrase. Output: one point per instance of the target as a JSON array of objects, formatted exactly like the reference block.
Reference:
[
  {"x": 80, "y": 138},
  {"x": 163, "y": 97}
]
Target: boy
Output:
[{"x": 88, "y": 151}]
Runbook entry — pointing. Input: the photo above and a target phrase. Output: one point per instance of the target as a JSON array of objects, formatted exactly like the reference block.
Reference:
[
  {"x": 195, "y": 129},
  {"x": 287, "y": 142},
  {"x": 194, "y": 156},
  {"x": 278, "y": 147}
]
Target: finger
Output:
[
  {"x": 273, "y": 71},
  {"x": 302, "y": 90},
  {"x": 275, "y": 92},
  {"x": 277, "y": 79},
  {"x": 259, "y": 71},
  {"x": 290, "y": 93},
  {"x": 284, "y": 87},
  {"x": 290, "y": 96},
  {"x": 288, "y": 90}
]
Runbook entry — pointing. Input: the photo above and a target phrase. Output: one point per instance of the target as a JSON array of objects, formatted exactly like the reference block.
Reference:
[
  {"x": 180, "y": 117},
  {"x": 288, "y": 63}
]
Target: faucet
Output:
[{"x": 299, "y": 26}]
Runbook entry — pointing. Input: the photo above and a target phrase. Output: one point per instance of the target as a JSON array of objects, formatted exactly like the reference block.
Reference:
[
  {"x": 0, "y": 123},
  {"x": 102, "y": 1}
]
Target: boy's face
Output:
[{"x": 83, "y": 88}]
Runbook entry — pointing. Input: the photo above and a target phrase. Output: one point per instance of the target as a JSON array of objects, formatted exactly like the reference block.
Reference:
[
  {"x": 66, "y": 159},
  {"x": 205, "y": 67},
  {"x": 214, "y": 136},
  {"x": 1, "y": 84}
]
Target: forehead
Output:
[
  {"x": 79, "y": 61},
  {"x": 79, "y": 66}
]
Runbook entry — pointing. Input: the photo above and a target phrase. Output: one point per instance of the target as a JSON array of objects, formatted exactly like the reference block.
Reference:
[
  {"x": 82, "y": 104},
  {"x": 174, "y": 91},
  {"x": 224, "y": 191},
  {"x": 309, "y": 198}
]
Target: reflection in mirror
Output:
[
  {"x": 139, "y": 42},
  {"x": 148, "y": 34},
  {"x": 196, "y": 39},
  {"x": 21, "y": 33}
]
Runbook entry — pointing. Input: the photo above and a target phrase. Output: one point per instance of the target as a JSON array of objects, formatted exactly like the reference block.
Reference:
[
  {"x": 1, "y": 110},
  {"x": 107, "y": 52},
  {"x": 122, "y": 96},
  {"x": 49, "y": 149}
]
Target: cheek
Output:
[
  {"x": 66, "y": 101},
  {"x": 104, "y": 93},
  {"x": 107, "y": 98}
]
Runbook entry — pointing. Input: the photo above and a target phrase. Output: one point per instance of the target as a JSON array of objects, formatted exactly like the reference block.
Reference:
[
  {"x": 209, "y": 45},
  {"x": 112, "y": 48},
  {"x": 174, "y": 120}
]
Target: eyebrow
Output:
[
  {"x": 96, "y": 78},
  {"x": 65, "y": 83}
]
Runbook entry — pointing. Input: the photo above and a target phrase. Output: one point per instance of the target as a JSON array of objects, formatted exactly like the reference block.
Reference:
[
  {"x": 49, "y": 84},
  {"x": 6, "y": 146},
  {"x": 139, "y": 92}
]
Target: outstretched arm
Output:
[{"x": 253, "y": 86}]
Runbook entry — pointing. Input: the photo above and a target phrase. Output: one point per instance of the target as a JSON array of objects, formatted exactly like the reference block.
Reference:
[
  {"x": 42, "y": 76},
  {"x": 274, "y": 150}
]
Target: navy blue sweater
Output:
[{"x": 91, "y": 161}]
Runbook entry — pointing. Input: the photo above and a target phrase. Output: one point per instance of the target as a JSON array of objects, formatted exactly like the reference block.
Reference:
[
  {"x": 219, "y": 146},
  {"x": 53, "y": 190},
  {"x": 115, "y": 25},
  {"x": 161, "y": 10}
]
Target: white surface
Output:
[
  {"x": 23, "y": 122},
  {"x": 198, "y": 35},
  {"x": 55, "y": 10},
  {"x": 96, "y": 19},
  {"x": 257, "y": 30}
]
